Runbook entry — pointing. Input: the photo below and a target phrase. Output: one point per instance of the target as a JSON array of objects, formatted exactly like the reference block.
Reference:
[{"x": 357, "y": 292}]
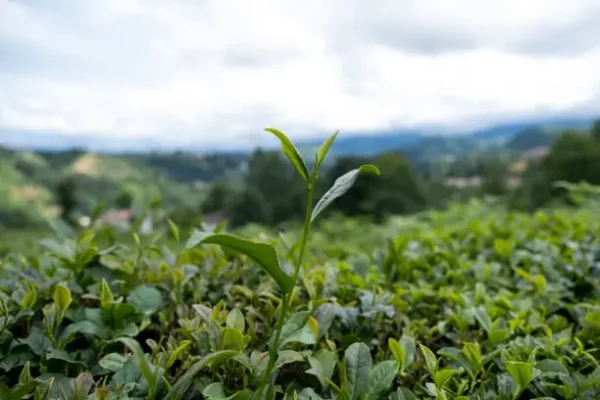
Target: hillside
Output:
[{"x": 30, "y": 180}]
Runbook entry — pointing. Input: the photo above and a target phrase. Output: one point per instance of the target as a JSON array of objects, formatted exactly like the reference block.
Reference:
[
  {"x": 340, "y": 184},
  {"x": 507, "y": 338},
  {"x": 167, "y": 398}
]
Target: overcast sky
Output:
[{"x": 220, "y": 71}]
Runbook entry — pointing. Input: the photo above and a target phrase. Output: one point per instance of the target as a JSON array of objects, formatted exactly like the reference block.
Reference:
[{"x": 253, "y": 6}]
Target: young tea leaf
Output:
[
  {"x": 443, "y": 376},
  {"x": 430, "y": 359},
  {"x": 62, "y": 297},
  {"x": 235, "y": 319},
  {"x": 299, "y": 328},
  {"x": 522, "y": 373},
  {"x": 341, "y": 186},
  {"x": 184, "y": 382},
  {"x": 291, "y": 153},
  {"x": 262, "y": 254},
  {"x": 322, "y": 152}
]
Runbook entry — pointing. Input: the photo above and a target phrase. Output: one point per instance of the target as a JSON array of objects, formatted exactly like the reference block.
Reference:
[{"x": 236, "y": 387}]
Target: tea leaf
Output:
[
  {"x": 235, "y": 319},
  {"x": 232, "y": 339},
  {"x": 291, "y": 153},
  {"x": 145, "y": 365},
  {"x": 182, "y": 384},
  {"x": 341, "y": 186},
  {"x": 287, "y": 357},
  {"x": 146, "y": 298},
  {"x": 358, "y": 368},
  {"x": 381, "y": 378},
  {"x": 522, "y": 373},
  {"x": 112, "y": 362},
  {"x": 298, "y": 328},
  {"x": 323, "y": 150},
  {"x": 262, "y": 254},
  {"x": 443, "y": 376},
  {"x": 62, "y": 297},
  {"x": 430, "y": 359},
  {"x": 322, "y": 364}
]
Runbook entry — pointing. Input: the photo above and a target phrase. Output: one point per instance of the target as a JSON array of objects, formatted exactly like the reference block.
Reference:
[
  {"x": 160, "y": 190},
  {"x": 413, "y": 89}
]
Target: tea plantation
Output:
[
  {"x": 471, "y": 303},
  {"x": 501, "y": 306}
]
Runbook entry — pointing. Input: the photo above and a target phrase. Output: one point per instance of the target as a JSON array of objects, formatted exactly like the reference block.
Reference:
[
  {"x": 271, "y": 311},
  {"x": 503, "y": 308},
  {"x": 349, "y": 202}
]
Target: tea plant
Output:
[{"x": 472, "y": 303}]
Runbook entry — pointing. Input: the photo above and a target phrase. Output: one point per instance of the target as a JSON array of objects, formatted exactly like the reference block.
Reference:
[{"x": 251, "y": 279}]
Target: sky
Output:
[{"x": 218, "y": 72}]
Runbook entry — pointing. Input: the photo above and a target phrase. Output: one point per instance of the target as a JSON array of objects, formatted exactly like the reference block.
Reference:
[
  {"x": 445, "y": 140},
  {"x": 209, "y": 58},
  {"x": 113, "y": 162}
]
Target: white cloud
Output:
[{"x": 217, "y": 72}]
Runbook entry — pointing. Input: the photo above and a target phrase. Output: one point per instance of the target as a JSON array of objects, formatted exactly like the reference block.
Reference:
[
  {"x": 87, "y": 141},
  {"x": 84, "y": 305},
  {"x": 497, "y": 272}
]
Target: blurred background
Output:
[{"x": 128, "y": 112}]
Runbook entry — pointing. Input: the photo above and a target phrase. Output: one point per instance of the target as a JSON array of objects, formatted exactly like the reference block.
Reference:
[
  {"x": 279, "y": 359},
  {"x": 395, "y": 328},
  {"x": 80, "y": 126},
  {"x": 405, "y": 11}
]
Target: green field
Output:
[{"x": 474, "y": 302}]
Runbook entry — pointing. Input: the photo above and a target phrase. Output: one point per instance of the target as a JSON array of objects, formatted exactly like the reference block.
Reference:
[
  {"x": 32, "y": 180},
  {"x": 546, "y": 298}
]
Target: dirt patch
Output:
[
  {"x": 86, "y": 164},
  {"x": 26, "y": 193}
]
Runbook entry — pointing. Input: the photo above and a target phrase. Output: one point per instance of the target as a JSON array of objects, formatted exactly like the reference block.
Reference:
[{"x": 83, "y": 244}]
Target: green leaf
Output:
[
  {"x": 184, "y": 382},
  {"x": 381, "y": 378},
  {"x": 308, "y": 394},
  {"x": 29, "y": 300},
  {"x": 174, "y": 229},
  {"x": 85, "y": 327},
  {"x": 62, "y": 297},
  {"x": 106, "y": 295},
  {"x": 215, "y": 391},
  {"x": 173, "y": 357},
  {"x": 522, "y": 373},
  {"x": 146, "y": 298},
  {"x": 443, "y": 376},
  {"x": 458, "y": 356},
  {"x": 291, "y": 153},
  {"x": 358, "y": 367},
  {"x": 112, "y": 362},
  {"x": 341, "y": 186},
  {"x": 56, "y": 354},
  {"x": 287, "y": 357},
  {"x": 323, "y": 150},
  {"x": 403, "y": 394},
  {"x": 506, "y": 385},
  {"x": 145, "y": 365},
  {"x": 25, "y": 375},
  {"x": 483, "y": 318},
  {"x": 410, "y": 348},
  {"x": 232, "y": 339},
  {"x": 235, "y": 319},
  {"x": 37, "y": 341},
  {"x": 552, "y": 368},
  {"x": 322, "y": 365},
  {"x": 300, "y": 328},
  {"x": 430, "y": 359},
  {"x": 261, "y": 253},
  {"x": 82, "y": 385},
  {"x": 397, "y": 351},
  {"x": 473, "y": 354}
]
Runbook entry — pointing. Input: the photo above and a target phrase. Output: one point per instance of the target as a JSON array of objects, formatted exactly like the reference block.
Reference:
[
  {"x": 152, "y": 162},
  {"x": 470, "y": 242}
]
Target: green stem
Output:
[{"x": 287, "y": 299}]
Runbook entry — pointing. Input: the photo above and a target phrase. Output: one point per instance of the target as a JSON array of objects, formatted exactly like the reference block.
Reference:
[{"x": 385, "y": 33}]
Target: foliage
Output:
[{"x": 471, "y": 303}]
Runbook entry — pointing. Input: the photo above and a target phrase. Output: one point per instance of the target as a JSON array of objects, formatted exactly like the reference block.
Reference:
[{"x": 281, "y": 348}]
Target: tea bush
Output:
[{"x": 474, "y": 303}]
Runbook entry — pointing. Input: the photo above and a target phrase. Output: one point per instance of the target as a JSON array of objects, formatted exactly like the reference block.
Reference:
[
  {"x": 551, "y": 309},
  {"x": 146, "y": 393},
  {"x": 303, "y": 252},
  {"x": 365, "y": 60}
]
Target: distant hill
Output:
[
  {"x": 29, "y": 179},
  {"x": 358, "y": 143}
]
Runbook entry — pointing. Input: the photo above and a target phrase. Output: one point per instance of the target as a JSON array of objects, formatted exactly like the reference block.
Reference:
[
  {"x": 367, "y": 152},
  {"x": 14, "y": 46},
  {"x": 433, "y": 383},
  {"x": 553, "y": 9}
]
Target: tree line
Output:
[{"x": 270, "y": 192}]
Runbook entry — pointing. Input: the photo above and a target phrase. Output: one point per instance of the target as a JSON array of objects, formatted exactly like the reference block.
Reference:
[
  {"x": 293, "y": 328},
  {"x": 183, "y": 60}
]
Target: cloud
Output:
[{"x": 216, "y": 73}]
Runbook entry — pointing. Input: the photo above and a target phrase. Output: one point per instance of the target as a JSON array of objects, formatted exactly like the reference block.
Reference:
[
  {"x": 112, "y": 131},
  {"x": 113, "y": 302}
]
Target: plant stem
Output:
[{"x": 286, "y": 301}]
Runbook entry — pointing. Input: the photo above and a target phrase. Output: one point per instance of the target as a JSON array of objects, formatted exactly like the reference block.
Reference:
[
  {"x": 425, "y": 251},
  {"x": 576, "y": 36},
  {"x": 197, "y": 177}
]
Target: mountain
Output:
[{"x": 360, "y": 143}]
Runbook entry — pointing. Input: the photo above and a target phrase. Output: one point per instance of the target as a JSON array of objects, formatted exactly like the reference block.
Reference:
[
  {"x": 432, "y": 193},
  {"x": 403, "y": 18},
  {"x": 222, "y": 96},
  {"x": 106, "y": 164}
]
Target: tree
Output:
[
  {"x": 250, "y": 206},
  {"x": 218, "y": 197},
  {"x": 494, "y": 178},
  {"x": 66, "y": 198},
  {"x": 573, "y": 158},
  {"x": 395, "y": 191},
  {"x": 595, "y": 131},
  {"x": 124, "y": 200}
]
